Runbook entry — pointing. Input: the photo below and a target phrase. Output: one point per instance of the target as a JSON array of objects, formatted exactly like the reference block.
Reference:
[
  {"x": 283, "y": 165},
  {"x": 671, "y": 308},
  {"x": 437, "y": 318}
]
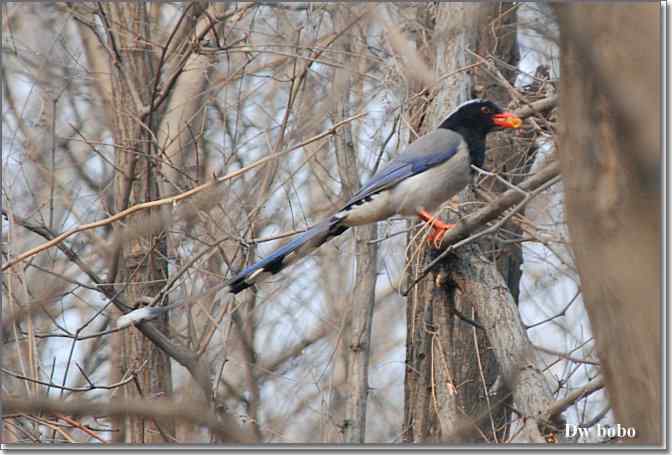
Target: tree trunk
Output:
[
  {"x": 142, "y": 265},
  {"x": 610, "y": 156},
  {"x": 430, "y": 403}
]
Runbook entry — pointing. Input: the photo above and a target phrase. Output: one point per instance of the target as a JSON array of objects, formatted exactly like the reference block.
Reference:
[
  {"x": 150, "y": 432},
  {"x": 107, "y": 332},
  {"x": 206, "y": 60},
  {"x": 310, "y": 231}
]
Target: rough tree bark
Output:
[
  {"x": 610, "y": 142},
  {"x": 141, "y": 259},
  {"x": 512, "y": 353}
]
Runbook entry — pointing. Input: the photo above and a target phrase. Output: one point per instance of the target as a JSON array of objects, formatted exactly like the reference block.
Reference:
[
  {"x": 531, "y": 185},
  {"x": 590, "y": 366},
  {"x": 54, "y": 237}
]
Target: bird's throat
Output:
[{"x": 475, "y": 144}]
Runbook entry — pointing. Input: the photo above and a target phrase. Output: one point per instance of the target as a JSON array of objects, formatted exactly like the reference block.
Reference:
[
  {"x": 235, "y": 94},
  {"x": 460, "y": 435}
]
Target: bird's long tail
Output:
[{"x": 296, "y": 249}]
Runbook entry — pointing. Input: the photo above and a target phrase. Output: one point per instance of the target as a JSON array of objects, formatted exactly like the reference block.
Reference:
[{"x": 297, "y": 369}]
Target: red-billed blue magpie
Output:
[{"x": 428, "y": 173}]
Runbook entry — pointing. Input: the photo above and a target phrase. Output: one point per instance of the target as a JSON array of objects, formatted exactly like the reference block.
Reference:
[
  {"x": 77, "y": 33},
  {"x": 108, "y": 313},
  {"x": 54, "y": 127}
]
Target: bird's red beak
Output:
[{"x": 507, "y": 120}]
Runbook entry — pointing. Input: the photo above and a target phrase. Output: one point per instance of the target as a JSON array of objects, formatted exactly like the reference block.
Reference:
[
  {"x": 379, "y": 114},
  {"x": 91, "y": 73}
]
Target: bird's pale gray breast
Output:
[
  {"x": 425, "y": 190},
  {"x": 429, "y": 189}
]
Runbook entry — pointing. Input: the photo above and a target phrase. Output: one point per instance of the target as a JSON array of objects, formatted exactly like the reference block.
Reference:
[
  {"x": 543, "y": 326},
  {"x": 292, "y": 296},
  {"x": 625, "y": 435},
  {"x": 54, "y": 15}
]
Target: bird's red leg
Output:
[{"x": 439, "y": 228}]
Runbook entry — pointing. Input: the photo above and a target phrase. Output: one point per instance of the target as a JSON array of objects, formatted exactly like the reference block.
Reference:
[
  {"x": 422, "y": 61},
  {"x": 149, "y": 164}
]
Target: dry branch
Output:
[
  {"x": 224, "y": 427},
  {"x": 173, "y": 199},
  {"x": 571, "y": 398}
]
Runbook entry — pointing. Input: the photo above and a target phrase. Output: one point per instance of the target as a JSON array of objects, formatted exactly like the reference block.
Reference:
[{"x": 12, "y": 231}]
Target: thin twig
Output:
[
  {"x": 173, "y": 199},
  {"x": 81, "y": 427},
  {"x": 571, "y": 398},
  {"x": 562, "y": 355}
]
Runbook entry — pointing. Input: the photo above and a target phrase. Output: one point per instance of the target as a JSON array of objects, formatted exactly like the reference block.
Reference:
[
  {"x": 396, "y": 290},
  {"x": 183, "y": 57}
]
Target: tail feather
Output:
[{"x": 292, "y": 251}]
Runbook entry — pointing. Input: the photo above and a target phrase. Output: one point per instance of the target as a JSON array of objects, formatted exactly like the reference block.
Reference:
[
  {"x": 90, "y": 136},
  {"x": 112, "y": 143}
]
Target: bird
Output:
[{"x": 428, "y": 173}]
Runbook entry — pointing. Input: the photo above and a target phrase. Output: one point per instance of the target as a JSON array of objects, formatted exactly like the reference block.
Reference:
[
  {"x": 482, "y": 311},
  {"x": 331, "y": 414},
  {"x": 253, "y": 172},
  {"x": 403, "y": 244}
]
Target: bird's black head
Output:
[
  {"x": 474, "y": 119},
  {"x": 479, "y": 116}
]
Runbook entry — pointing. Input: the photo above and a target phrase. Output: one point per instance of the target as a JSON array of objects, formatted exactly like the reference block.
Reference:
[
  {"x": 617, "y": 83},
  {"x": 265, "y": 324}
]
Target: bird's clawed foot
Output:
[{"x": 439, "y": 228}]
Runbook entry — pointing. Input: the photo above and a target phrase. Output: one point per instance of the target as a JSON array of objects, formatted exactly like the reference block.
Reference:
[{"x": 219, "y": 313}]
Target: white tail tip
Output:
[{"x": 137, "y": 316}]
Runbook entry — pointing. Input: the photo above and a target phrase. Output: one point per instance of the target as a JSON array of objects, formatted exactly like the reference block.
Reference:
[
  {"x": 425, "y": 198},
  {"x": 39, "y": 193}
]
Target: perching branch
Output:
[{"x": 506, "y": 201}]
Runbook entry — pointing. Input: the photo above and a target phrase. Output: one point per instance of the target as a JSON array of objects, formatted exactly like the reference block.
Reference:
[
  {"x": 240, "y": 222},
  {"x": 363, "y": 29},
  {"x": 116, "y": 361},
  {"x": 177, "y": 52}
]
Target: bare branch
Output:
[
  {"x": 172, "y": 199},
  {"x": 583, "y": 392},
  {"x": 153, "y": 409}
]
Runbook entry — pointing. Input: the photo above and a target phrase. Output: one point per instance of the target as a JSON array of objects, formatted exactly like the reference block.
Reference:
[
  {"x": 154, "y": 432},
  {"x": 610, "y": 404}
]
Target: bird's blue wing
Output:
[
  {"x": 425, "y": 153},
  {"x": 407, "y": 165}
]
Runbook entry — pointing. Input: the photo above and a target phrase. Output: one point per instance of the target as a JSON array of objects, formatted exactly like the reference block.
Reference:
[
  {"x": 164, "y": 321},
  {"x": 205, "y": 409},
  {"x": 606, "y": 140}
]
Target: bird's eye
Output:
[{"x": 486, "y": 110}]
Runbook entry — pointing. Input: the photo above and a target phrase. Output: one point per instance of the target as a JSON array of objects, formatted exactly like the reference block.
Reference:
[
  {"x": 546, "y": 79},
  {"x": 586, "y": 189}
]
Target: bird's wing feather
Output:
[
  {"x": 426, "y": 152},
  {"x": 297, "y": 248}
]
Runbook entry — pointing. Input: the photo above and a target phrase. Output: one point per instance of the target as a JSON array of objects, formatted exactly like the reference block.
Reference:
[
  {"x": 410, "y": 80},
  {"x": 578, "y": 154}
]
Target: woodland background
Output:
[{"x": 152, "y": 150}]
